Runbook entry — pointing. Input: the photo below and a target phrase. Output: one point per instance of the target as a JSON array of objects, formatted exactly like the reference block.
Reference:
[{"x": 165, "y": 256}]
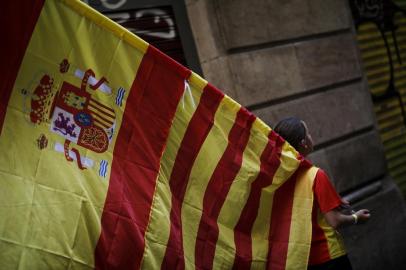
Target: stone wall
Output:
[{"x": 300, "y": 58}]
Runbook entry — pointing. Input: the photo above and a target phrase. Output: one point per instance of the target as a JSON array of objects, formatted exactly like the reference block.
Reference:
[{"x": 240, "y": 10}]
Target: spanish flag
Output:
[{"x": 114, "y": 156}]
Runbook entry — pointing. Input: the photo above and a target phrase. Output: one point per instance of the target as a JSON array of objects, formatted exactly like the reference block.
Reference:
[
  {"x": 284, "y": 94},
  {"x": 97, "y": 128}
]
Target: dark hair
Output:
[{"x": 292, "y": 130}]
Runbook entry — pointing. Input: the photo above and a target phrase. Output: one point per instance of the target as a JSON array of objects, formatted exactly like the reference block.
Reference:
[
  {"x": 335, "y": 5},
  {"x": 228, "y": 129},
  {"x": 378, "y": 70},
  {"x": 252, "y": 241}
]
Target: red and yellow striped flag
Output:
[{"x": 113, "y": 156}]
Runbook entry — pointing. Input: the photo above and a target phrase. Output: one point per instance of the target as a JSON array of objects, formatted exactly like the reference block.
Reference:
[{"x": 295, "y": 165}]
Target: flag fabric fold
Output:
[{"x": 114, "y": 156}]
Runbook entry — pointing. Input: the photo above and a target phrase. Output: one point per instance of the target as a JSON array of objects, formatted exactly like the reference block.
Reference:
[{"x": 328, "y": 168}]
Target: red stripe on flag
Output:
[
  {"x": 147, "y": 118},
  {"x": 270, "y": 161},
  {"x": 280, "y": 224},
  {"x": 196, "y": 133},
  {"x": 281, "y": 220},
  {"x": 17, "y": 23},
  {"x": 218, "y": 188}
]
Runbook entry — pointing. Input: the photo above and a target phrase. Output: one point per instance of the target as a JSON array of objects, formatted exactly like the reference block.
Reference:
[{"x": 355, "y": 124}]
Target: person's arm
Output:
[
  {"x": 331, "y": 204},
  {"x": 336, "y": 219}
]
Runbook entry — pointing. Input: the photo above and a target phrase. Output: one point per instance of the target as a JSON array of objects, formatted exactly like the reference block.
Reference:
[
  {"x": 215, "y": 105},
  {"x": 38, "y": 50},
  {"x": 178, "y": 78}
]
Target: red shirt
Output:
[{"x": 326, "y": 242}]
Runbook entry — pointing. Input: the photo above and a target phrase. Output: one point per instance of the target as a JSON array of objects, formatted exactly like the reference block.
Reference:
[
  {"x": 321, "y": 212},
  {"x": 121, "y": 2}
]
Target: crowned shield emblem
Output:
[{"x": 74, "y": 113}]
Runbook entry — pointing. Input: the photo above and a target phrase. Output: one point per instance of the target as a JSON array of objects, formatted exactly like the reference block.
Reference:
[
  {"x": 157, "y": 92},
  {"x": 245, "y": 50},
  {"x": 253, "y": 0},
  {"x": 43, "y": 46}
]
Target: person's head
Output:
[{"x": 295, "y": 131}]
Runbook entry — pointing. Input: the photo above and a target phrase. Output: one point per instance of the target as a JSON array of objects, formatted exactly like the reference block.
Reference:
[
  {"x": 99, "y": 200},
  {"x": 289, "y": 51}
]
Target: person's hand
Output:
[{"x": 363, "y": 216}]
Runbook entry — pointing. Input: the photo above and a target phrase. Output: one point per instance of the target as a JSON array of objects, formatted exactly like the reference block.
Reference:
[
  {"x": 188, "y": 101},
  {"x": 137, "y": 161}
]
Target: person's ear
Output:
[{"x": 303, "y": 143}]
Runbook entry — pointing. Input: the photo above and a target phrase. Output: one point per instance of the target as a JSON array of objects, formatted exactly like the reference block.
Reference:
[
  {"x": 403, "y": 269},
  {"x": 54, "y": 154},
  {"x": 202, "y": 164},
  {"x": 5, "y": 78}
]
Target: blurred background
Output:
[{"x": 340, "y": 65}]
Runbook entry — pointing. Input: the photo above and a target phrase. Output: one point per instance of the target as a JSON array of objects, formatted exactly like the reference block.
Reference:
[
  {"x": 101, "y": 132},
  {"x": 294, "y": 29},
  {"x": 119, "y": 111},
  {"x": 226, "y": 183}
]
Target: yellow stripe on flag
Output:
[
  {"x": 237, "y": 196},
  {"x": 301, "y": 223},
  {"x": 206, "y": 162},
  {"x": 157, "y": 233},
  {"x": 260, "y": 230},
  {"x": 289, "y": 164}
]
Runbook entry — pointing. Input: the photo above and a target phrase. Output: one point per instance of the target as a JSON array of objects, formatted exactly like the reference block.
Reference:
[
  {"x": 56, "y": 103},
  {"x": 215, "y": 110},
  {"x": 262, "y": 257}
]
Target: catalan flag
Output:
[{"x": 114, "y": 156}]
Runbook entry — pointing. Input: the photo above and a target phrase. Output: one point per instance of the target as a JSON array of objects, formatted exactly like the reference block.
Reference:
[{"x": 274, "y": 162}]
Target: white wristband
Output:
[{"x": 355, "y": 218}]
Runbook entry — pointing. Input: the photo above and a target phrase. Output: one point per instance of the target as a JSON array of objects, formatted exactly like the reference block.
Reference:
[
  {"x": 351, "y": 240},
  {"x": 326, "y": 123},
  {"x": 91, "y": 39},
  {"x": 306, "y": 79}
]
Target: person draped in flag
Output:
[{"x": 327, "y": 250}]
